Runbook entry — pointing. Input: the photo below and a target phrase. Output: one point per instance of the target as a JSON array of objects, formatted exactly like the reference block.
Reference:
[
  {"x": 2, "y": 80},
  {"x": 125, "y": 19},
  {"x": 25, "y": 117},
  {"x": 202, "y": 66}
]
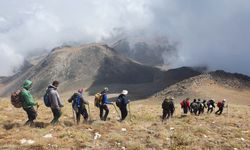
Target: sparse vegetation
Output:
[{"x": 145, "y": 131}]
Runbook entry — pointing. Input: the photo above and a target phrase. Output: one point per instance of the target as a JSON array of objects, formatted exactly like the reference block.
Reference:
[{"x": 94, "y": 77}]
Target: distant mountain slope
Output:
[
  {"x": 94, "y": 66},
  {"x": 217, "y": 85}
]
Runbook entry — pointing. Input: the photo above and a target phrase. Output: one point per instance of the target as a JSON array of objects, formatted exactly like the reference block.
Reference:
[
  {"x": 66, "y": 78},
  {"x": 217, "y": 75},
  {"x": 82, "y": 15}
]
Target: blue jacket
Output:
[{"x": 105, "y": 99}]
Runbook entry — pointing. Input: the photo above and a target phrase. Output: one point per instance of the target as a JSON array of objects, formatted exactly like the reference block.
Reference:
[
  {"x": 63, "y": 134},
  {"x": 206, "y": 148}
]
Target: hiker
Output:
[
  {"x": 28, "y": 102},
  {"x": 185, "y": 105},
  {"x": 172, "y": 108},
  {"x": 56, "y": 102},
  {"x": 121, "y": 103},
  {"x": 193, "y": 107},
  {"x": 210, "y": 105},
  {"x": 220, "y": 105},
  {"x": 199, "y": 107},
  {"x": 168, "y": 108},
  {"x": 78, "y": 105},
  {"x": 203, "y": 106},
  {"x": 104, "y": 105}
]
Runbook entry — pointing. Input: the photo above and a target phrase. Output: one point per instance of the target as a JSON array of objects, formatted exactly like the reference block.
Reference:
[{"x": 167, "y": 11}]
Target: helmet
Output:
[
  {"x": 224, "y": 100},
  {"x": 171, "y": 98}
]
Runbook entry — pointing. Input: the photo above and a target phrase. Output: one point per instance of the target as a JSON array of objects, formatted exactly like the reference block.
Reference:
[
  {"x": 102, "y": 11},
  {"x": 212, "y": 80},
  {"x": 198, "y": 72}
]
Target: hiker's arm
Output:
[
  {"x": 84, "y": 101},
  {"x": 28, "y": 99},
  {"x": 105, "y": 100},
  {"x": 71, "y": 99},
  {"x": 60, "y": 102}
]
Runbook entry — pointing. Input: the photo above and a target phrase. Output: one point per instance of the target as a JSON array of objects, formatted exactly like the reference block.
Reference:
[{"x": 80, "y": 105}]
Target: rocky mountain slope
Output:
[
  {"x": 217, "y": 85},
  {"x": 94, "y": 66}
]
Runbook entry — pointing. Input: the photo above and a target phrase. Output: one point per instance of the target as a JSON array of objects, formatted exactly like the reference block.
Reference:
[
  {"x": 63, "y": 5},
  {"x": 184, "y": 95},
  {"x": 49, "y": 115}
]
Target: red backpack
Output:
[{"x": 219, "y": 104}]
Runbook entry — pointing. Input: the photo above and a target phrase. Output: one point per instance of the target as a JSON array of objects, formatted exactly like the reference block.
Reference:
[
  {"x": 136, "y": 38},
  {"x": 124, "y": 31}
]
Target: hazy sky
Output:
[{"x": 210, "y": 32}]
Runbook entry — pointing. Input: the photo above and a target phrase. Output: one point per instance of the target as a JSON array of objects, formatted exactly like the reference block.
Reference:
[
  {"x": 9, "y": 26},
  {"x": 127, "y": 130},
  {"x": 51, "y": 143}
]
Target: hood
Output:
[
  {"x": 52, "y": 86},
  {"x": 27, "y": 84}
]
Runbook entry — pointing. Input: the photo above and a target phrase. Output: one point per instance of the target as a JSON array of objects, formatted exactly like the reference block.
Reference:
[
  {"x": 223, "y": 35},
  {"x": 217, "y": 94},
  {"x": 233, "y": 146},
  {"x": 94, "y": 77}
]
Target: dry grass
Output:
[{"x": 145, "y": 131}]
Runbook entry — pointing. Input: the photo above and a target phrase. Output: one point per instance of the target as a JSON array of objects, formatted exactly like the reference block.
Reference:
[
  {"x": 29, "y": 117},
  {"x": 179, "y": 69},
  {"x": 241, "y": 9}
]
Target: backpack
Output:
[
  {"x": 219, "y": 104},
  {"x": 98, "y": 99},
  {"x": 76, "y": 102},
  {"x": 118, "y": 102},
  {"x": 16, "y": 99},
  {"x": 184, "y": 104},
  {"x": 166, "y": 104},
  {"x": 46, "y": 99}
]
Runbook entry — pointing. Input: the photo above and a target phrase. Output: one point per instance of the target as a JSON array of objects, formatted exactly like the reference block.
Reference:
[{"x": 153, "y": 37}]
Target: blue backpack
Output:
[
  {"x": 46, "y": 99},
  {"x": 76, "y": 102}
]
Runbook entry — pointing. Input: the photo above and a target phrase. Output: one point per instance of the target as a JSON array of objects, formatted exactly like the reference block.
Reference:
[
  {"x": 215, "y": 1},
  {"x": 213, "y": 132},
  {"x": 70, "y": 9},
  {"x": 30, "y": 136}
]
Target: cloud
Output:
[{"x": 213, "y": 33}]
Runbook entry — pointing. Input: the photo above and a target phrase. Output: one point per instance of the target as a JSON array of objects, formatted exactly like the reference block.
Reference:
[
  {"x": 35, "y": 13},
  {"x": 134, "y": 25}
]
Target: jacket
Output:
[
  {"x": 55, "y": 100},
  {"x": 27, "y": 98},
  {"x": 105, "y": 99},
  {"x": 124, "y": 100},
  {"x": 73, "y": 100}
]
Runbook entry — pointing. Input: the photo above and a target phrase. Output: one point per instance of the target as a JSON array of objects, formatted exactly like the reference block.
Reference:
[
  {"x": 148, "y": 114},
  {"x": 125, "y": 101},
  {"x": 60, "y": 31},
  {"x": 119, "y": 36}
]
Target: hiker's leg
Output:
[
  {"x": 57, "y": 114},
  {"x": 105, "y": 107},
  {"x": 168, "y": 114},
  {"x": 164, "y": 114},
  {"x": 217, "y": 111},
  {"x": 32, "y": 114},
  {"x": 124, "y": 113},
  {"x": 120, "y": 108},
  {"x": 101, "y": 112},
  {"x": 85, "y": 114},
  {"x": 27, "y": 112},
  {"x": 78, "y": 114},
  {"x": 221, "y": 110},
  {"x": 172, "y": 113}
]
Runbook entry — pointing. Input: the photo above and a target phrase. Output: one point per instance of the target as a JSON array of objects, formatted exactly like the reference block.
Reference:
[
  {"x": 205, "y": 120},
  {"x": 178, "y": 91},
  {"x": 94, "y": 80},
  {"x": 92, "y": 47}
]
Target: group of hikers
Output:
[
  {"x": 23, "y": 99},
  {"x": 196, "y": 107}
]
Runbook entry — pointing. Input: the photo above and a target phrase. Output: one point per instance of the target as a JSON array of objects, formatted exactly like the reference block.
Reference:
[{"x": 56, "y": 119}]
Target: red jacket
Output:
[{"x": 187, "y": 103}]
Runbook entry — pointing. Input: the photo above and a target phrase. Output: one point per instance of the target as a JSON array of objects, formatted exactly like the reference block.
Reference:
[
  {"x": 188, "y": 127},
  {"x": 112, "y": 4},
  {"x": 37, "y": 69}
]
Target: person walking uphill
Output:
[
  {"x": 55, "y": 101},
  {"x": 210, "y": 106},
  {"x": 185, "y": 105},
  {"x": 121, "y": 103},
  {"x": 78, "y": 105},
  {"x": 221, "y": 106},
  {"x": 28, "y": 102},
  {"x": 172, "y": 108},
  {"x": 104, "y": 105},
  {"x": 166, "y": 113}
]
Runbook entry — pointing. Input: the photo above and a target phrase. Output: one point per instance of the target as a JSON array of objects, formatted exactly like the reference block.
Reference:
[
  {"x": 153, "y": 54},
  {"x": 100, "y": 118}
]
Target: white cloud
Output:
[{"x": 210, "y": 32}]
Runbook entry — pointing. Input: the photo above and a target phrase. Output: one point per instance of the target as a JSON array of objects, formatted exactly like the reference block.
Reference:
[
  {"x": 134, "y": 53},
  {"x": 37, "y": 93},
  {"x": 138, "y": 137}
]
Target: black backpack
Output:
[
  {"x": 118, "y": 101},
  {"x": 166, "y": 104},
  {"x": 46, "y": 99}
]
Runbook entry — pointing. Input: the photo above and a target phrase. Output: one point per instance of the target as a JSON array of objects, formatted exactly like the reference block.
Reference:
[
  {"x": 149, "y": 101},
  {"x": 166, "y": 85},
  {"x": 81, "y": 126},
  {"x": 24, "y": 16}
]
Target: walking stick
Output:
[
  {"x": 116, "y": 111},
  {"x": 89, "y": 113}
]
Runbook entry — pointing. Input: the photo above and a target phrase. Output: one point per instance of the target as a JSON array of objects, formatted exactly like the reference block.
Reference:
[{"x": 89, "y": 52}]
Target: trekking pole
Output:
[
  {"x": 116, "y": 111},
  {"x": 89, "y": 113}
]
